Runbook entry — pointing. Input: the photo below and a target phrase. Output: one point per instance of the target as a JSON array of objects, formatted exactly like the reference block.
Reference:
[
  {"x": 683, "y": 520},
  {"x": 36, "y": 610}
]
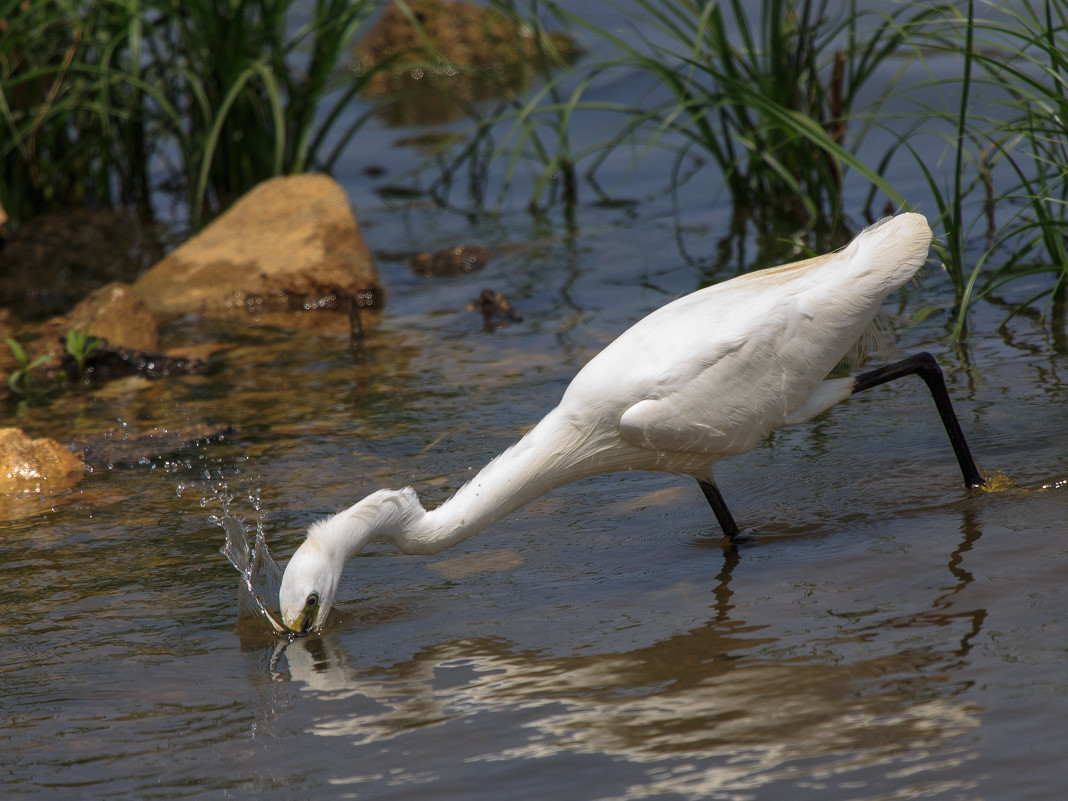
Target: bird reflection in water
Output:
[{"x": 716, "y": 698}]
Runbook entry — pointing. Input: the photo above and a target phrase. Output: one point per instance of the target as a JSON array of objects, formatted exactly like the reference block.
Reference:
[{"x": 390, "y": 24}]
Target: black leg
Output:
[
  {"x": 925, "y": 366},
  {"x": 719, "y": 509}
]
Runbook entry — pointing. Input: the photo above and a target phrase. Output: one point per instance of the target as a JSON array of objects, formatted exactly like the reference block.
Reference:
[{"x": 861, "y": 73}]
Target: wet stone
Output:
[
  {"x": 113, "y": 312},
  {"x": 109, "y": 361},
  {"x": 127, "y": 446},
  {"x": 456, "y": 260},
  {"x": 36, "y": 465},
  {"x": 290, "y": 245}
]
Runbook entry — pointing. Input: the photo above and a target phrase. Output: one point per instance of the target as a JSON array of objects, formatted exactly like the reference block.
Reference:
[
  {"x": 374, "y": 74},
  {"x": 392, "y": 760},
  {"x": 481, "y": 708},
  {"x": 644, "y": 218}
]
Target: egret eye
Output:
[{"x": 313, "y": 601}]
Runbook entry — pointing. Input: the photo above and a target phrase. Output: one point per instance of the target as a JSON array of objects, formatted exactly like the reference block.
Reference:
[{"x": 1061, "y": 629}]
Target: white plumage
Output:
[{"x": 706, "y": 376}]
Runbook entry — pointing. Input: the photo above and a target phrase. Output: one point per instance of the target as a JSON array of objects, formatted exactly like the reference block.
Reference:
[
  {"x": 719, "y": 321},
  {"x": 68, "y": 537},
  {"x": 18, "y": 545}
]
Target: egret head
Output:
[
  {"x": 308, "y": 586},
  {"x": 313, "y": 574}
]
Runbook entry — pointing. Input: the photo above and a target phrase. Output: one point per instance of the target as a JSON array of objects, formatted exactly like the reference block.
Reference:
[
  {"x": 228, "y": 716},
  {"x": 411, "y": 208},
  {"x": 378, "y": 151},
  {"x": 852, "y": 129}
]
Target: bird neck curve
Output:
[
  {"x": 555, "y": 452},
  {"x": 558, "y": 450},
  {"x": 377, "y": 518}
]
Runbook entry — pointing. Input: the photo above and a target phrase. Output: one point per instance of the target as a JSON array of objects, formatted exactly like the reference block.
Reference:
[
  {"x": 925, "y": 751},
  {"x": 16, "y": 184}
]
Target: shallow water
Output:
[{"x": 885, "y": 633}]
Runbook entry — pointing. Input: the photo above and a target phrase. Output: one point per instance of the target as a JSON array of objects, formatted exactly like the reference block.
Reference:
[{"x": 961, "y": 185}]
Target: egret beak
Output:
[{"x": 305, "y": 622}]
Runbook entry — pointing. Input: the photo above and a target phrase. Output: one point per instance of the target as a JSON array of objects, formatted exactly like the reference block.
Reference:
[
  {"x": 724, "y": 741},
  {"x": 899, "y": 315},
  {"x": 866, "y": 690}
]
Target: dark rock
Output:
[
  {"x": 496, "y": 311},
  {"x": 451, "y": 261},
  {"x": 109, "y": 361}
]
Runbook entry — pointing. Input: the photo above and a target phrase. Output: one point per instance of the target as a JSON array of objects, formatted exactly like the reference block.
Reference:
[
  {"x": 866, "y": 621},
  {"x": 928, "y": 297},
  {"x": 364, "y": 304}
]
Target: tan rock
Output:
[
  {"x": 37, "y": 465},
  {"x": 116, "y": 313},
  {"x": 291, "y": 243}
]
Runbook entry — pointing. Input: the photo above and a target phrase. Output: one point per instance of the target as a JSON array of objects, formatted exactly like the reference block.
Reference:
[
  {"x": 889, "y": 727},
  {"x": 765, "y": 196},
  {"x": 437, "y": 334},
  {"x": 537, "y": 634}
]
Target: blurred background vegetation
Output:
[{"x": 118, "y": 103}]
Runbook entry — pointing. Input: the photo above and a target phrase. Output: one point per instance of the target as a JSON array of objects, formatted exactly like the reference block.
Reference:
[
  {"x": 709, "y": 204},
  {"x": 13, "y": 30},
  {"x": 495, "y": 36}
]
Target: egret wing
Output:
[
  {"x": 725, "y": 407},
  {"x": 714, "y": 372}
]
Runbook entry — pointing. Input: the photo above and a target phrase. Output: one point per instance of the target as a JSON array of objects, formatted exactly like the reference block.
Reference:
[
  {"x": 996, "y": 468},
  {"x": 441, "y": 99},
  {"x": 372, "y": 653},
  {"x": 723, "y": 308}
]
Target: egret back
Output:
[{"x": 715, "y": 371}]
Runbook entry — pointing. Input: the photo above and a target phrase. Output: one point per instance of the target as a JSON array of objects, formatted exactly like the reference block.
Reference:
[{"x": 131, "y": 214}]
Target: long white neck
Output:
[
  {"x": 541, "y": 461},
  {"x": 546, "y": 458},
  {"x": 557, "y": 451}
]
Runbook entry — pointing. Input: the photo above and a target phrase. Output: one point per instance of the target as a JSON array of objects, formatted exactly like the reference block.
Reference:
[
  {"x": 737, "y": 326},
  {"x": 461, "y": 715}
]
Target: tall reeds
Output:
[
  {"x": 768, "y": 91},
  {"x": 779, "y": 95},
  {"x": 1024, "y": 52},
  {"x": 53, "y": 108},
  {"x": 1003, "y": 209},
  {"x": 108, "y": 102},
  {"x": 105, "y": 102}
]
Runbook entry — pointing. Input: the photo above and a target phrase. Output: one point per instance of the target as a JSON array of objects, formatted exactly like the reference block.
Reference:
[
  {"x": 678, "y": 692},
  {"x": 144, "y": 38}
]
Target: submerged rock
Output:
[
  {"x": 455, "y": 53},
  {"x": 461, "y": 567},
  {"x": 451, "y": 261},
  {"x": 40, "y": 466},
  {"x": 290, "y": 245},
  {"x": 126, "y": 446},
  {"x": 495, "y": 309}
]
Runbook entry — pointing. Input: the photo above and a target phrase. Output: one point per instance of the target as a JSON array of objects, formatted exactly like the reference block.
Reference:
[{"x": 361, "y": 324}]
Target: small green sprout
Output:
[
  {"x": 18, "y": 381},
  {"x": 81, "y": 346}
]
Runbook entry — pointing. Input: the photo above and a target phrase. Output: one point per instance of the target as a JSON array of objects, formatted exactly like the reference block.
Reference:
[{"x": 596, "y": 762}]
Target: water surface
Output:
[{"x": 884, "y": 634}]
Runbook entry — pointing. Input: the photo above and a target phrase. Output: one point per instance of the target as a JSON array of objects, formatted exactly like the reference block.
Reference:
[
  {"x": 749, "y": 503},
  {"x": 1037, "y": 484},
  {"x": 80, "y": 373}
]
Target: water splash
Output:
[{"x": 260, "y": 575}]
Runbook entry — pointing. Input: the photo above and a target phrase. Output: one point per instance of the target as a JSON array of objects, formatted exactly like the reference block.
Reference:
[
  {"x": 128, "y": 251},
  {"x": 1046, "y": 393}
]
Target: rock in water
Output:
[
  {"x": 36, "y": 465},
  {"x": 291, "y": 244},
  {"x": 114, "y": 312}
]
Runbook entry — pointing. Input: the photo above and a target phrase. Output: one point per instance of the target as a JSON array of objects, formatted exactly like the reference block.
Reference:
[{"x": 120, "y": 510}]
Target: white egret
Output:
[{"x": 706, "y": 376}]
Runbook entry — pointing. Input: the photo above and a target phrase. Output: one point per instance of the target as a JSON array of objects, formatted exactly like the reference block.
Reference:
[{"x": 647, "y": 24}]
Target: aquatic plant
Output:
[
  {"x": 1024, "y": 52},
  {"x": 50, "y": 121},
  {"x": 771, "y": 96},
  {"x": 1008, "y": 132},
  {"x": 78, "y": 343},
  {"x": 18, "y": 381},
  {"x": 81, "y": 346},
  {"x": 96, "y": 98},
  {"x": 239, "y": 71},
  {"x": 767, "y": 93}
]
